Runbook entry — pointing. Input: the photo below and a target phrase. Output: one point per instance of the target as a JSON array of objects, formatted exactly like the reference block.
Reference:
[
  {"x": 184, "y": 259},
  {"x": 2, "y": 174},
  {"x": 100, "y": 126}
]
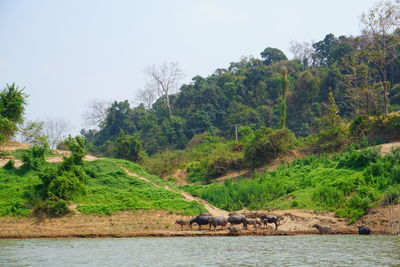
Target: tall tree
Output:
[
  {"x": 285, "y": 87},
  {"x": 164, "y": 80},
  {"x": 380, "y": 24},
  {"x": 271, "y": 55},
  {"x": 12, "y": 107},
  {"x": 96, "y": 113}
]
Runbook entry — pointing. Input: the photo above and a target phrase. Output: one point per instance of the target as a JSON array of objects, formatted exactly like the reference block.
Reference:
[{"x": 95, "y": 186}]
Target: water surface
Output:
[{"x": 205, "y": 251}]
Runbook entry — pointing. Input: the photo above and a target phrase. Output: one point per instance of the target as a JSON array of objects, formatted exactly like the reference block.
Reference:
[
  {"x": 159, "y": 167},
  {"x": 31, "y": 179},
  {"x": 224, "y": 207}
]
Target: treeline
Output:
[{"x": 361, "y": 72}]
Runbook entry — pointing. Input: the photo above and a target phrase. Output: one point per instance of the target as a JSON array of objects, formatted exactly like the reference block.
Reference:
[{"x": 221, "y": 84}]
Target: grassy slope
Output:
[
  {"x": 109, "y": 190},
  {"x": 349, "y": 184}
]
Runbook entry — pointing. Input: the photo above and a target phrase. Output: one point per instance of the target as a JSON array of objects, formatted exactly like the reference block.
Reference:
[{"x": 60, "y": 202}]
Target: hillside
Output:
[{"x": 124, "y": 200}]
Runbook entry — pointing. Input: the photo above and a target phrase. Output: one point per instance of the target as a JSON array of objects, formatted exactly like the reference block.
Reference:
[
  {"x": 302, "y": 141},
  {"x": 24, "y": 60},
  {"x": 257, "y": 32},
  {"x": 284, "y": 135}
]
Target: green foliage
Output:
[
  {"x": 110, "y": 189},
  {"x": 59, "y": 184},
  {"x": 377, "y": 128},
  {"x": 357, "y": 159},
  {"x": 271, "y": 55},
  {"x": 285, "y": 88},
  {"x": 12, "y": 106},
  {"x": 349, "y": 184},
  {"x": 266, "y": 144},
  {"x": 34, "y": 158},
  {"x": 392, "y": 195},
  {"x": 128, "y": 147}
]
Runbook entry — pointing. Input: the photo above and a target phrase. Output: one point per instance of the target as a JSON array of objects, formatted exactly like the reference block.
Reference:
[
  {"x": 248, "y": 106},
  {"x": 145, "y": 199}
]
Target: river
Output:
[{"x": 205, "y": 251}]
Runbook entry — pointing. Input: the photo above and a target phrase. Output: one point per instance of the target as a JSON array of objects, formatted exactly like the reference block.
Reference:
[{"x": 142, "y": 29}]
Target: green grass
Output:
[
  {"x": 15, "y": 189},
  {"x": 349, "y": 184},
  {"x": 109, "y": 189}
]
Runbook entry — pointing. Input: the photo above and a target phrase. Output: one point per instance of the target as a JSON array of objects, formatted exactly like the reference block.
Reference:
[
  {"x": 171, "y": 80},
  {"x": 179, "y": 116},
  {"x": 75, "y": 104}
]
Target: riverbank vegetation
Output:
[{"x": 327, "y": 107}]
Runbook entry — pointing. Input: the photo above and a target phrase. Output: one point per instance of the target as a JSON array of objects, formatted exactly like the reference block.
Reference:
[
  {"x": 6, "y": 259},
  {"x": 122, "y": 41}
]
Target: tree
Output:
[
  {"x": 12, "y": 107},
  {"x": 56, "y": 130},
  {"x": 302, "y": 52},
  {"x": 164, "y": 80},
  {"x": 146, "y": 96},
  {"x": 128, "y": 147},
  {"x": 380, "y": 24},
  {"x": 285, "y": 87},
  {"x": 324, "y": 49},
  {"x": 31, "y": 132},
  {"x": 271, "y": 55},
  {"x": 97, "y": 113}
]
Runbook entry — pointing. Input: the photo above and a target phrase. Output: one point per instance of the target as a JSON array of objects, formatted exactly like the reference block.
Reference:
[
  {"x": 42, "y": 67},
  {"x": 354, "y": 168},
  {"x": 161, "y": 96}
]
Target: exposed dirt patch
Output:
[
  {"x": 11, "y": 146},
  {"x": 179, "y": 175},
  {"x": 383, "y": 219},
  {"x": 387, "y": 148}
]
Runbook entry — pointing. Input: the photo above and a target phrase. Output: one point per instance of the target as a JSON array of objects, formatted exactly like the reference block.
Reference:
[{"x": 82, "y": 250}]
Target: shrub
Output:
[
  {"x": 331, "y": 139},
  {"x": 357, "y": 159},
  {"x": 266, "y": 144},
  {"x": 9, "y": 165},
  {"x": 392, "y": 195},
  {"x": 129, "y": 148},
  {"x": 34, "y": 158}
]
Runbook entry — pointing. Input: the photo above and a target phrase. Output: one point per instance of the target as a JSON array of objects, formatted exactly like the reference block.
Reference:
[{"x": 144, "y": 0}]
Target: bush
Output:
[
  {"x": 331, "y": 139},
  {"x": 129, "y": 148},
  {"x": 266, "y": 144},
  {"x": 392, "y": 195},
  {"x": 377, "y": 128},
  {"x": 34, "y": 158},
  {"x": 357, "y": 159},
  {"x": 9, "y": 165}
]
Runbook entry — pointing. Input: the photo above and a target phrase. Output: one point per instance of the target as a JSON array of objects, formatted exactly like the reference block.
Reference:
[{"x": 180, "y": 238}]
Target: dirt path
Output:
[{"x": 210, "y": 208}]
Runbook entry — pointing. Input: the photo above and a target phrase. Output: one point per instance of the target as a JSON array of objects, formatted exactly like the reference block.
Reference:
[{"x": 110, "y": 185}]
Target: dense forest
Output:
[{"x": 362, "y": 72}]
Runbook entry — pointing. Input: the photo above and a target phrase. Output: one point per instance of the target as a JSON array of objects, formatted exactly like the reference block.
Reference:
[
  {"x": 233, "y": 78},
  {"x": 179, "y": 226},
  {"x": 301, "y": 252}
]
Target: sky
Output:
[{"x": 67, "y": 53}]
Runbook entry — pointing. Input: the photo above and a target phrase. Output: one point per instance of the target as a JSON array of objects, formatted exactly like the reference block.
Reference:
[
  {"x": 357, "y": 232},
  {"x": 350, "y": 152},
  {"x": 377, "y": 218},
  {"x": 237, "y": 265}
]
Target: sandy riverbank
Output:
[{"x": 162, "y": 224}]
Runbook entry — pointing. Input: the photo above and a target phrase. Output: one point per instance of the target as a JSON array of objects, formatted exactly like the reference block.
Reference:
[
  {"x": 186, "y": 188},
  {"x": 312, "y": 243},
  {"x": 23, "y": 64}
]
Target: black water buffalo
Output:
[
  {"x": 201, "y": 220},
  {"x": 182, "y": 223},
  {"x": 362, "y": 230},
  {"x": 270, "y": 219},
  {"x": 219, "y": 220},
  {"x": 323, "y": 229},
  {"x": 237, "y": 219}
]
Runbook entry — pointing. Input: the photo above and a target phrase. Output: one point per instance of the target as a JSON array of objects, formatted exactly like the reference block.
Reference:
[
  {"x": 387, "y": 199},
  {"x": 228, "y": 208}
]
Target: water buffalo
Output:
[
  {"x": 259, "y": 222},
  {"x": 237, "y": 219},
  {"x": 234, "y": 230},
  {"x": 201, "y": 220},
  {"x": 251, "y": 222},
  {"x": 323, "y": 229},
  {"x": 182, "y": 223},
  {"x": 362, "y": 230},
  {"x": 219, "y": 220},
  {"x": 270, "y": 219}
]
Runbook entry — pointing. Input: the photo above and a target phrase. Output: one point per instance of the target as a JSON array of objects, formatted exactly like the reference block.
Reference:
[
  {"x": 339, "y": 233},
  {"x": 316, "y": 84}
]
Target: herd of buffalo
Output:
[{"x": 235, "y": 221}]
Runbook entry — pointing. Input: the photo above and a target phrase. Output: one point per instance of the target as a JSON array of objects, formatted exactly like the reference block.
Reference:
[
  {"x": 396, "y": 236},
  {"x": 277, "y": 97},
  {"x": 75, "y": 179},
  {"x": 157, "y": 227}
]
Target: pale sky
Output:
[{"x": 67, "y": 53}]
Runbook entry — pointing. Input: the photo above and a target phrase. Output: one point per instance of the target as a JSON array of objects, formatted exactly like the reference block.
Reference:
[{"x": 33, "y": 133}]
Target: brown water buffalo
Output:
[{"x": 323, "y": 229}]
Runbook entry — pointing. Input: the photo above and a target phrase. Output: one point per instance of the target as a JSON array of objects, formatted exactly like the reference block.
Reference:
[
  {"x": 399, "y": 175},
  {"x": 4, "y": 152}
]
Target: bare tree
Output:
[
  {"x": 97, "y": 112},
  {"x": 302, "y": 51},
  {"x": 56, "y": 130},
  {"x": 146, "y": 96},
  {"x": 164, "y": 80},
  {"x": 380, "y": 23}
]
